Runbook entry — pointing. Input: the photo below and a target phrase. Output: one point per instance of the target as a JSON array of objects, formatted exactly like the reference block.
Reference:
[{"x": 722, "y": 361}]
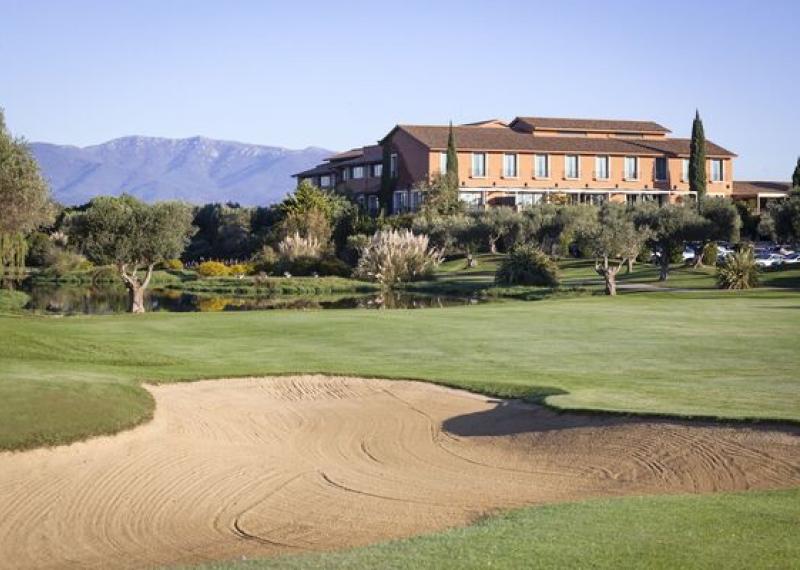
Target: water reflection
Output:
[{"x": 97, "y": 300}]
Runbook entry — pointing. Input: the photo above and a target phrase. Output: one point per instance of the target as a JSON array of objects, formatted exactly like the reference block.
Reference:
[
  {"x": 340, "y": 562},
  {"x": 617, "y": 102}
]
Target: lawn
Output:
[
  {"x": 737, "y": 530},
  {"x": 696, "y": 354}
]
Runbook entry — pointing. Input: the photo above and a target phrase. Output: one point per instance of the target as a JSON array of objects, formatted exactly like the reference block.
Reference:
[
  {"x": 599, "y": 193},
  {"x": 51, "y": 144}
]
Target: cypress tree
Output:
[
  {"x": 796, "y": 176},
  {"x": 452, "y": 162},
  {"x": 697, "y": 159}
]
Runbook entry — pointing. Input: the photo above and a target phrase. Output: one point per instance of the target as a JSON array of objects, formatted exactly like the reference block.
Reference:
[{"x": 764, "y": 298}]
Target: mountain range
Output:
[{"x": 197, "y": 169}]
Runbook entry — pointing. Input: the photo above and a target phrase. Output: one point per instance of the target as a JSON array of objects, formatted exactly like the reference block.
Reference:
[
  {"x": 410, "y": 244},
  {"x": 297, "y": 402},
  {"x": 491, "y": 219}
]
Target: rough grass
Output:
[
  {"x": 700, "y": 354},
  {"x": 733, "y": 531}
]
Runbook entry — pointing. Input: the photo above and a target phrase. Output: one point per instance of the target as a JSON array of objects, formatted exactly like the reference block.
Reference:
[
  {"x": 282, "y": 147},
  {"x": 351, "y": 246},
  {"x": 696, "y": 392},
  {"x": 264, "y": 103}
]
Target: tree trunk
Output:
[
  {"x": 698, "y": 257},
  {"x": 663, "y": 267},
  {"x": 136, "y": 287},
  {"x": 136, "y": 299},
  {"x": 471, "y": 261},
  {"x": 609, "y": 275},
  {"x": 493, "y": 244},
  {"x": 629, "y": 261}
]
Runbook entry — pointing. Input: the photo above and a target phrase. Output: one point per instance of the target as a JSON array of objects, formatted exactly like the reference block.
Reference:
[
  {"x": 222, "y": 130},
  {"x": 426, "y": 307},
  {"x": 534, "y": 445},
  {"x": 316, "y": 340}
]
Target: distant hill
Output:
[{"x": 196, "y": 169}]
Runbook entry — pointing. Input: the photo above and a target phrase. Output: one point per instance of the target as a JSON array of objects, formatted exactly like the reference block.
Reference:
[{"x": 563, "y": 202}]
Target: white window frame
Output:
[
  {"x": 400, "y": 201},
  {"x": 685, "y": 170},
  {"x": 442, "y": 163},
  {"x": 345, "y": 174},
  {"x": 607, "y": 160},
  {"x": 357, "y": 172},
  {"x": 376, "y": 170},
  {"x": 473, "y": 199},
  {"x": 485, "y": 164},
  {"x": 393, "y": 164},
  {"x": 655, "y": 169},
  {"x": 515, "y": 174},
  {"x": 721, "y": 170},
  {"x": 577, "y": 158},
  {"x": 625, "y": 172},
  {"x": 546, "y": 175},
  {"x": 325, "y": 181}
]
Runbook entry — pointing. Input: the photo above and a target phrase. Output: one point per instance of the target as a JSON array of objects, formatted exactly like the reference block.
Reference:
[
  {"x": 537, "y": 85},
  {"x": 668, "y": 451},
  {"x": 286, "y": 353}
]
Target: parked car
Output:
[
  {"x": 688, "y": 253},
  {"x": 769, "y": 260},
  {"x": 791, "y": 259}
]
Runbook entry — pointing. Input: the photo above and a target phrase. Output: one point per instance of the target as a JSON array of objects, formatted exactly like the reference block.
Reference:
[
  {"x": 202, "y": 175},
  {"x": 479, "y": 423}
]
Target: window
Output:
[
  {"x": 471, "y": 199},
  {"x": 357, "y": 172},
  {"x": 602, "y": 167},
  {"x": 325, "y": 181},
  {"x": 572, "y": 167},
  {"x": 479, "y": 165},
  {"x": 416, "y": 200},
  {"x": 510, "y": 165},
  {"x": 377, "y": 170},
  {"x": 685, "y": 170},
  {"x": 400, "y": 201},
  {"x": 393, "y": 165},
  {"x": 541, "y": 168},
  {"x": 661, "y": 168},
  {"x": 631, "y": 168},
  {"x": 360, "y": 200},
  {"x": 717, "y": 172},
  {"x": 373, "y": 204},
  {"x": 525, "y": 199},
  {"x": 442, "y": 162},
  {"x": 344, "y": 173}
]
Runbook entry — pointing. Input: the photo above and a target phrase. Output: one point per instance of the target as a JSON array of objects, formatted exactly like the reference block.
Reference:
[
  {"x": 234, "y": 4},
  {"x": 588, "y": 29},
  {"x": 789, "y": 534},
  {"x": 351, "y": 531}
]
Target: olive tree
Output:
[
  {"x": 613, "y": 239},
  {"x": 671, "y": 227},
  {"x": 723, "y": 223},
  {"x": 133, "y": 237},
  {"x": 785, "y": 218},
  {"x": 25, "y": 202}
]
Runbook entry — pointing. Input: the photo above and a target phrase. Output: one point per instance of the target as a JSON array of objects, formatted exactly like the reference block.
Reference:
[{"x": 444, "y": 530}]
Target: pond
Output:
[{"x": 99, "y": 300}]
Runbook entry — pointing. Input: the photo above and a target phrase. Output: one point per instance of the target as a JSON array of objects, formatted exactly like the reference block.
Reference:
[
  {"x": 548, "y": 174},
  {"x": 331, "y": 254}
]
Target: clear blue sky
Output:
[{"x": 341, "y": 74}]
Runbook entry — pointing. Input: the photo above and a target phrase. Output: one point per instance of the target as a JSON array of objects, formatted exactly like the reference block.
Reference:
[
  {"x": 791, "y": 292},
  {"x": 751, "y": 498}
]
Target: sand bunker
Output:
[{"x": 259, "y": 467}]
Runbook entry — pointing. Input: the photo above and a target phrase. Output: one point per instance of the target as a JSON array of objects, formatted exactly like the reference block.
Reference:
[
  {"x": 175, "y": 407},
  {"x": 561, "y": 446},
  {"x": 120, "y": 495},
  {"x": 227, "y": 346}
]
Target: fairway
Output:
[
  {"x": 718, "y": 355},
  {"x": 271, "y": 466}
]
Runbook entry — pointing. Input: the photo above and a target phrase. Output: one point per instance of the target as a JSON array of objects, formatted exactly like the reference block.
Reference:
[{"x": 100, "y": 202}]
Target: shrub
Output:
[
  {"x": 296, "y": 246},
  {"x": 397, "y": 256},
  {"x": 710, "y": 253},
  {"x": 173, "y": 265},
  {"x": 355, "y": 245},
  {"x": 738, "y": 271},
  {"x": 60, "y": 262},
  {"x": 238, "y": 269},
  {"x": 213, "y": 269},
  {"x": 527, "y": 265},
  {"x": 301, "y": 266},
  {"x": 334, "y": 266},
  {"x": 264, "y": 261}
]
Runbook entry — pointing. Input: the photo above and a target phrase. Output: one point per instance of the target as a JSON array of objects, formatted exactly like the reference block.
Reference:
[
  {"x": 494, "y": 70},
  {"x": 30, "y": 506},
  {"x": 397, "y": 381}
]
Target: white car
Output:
[
  {"x": 769, "y": 260},
  {"x": 688, "y": 253},
  {"x": 791, "y": 259}
]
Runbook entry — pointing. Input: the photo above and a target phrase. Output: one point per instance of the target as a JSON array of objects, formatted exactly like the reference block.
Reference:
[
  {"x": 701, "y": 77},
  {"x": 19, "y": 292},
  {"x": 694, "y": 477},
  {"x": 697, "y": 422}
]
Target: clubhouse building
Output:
[{"x": 527, "y": 161}]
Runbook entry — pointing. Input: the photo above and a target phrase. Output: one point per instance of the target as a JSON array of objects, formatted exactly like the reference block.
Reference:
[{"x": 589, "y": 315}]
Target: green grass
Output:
[
  {"x": 737, "y": 530},
  {"x": 698, "y": 354}
]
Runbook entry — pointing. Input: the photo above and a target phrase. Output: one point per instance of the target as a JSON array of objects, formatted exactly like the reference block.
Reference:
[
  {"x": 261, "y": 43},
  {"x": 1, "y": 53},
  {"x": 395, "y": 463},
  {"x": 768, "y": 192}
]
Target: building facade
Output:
[{"x": 527, "y": 161}]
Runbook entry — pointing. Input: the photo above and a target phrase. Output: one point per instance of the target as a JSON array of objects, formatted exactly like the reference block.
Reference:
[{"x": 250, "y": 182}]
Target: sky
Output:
[{"x": 341, "y": 74}]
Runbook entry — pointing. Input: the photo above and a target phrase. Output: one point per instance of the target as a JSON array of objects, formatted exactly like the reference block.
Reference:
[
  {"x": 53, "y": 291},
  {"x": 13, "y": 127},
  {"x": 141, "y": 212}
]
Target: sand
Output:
[{"x": 270, "y": 466}]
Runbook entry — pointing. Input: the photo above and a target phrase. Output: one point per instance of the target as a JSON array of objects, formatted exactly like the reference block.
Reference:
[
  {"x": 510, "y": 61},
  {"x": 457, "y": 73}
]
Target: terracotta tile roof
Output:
[
  {"x": 743, "y": 188},
  {"x": 346, "y": 155},
  {"x": 471, "y": 138},
  {"x": 318, "y": 170},
  {"x": 370, "y": 154},
  {"x": 590, "y": 125}
]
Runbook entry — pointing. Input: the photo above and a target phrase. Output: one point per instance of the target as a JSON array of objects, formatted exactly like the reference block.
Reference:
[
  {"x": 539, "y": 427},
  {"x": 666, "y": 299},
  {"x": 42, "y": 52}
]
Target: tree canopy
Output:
[{"x": 25, "y": 202}]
